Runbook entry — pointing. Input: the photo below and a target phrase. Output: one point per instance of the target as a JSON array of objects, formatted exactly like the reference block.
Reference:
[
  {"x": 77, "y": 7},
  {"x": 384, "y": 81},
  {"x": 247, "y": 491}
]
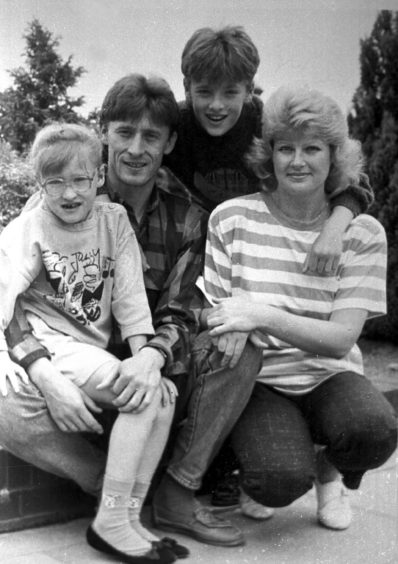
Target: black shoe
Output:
[
  {"x": 158, "y": 555},
  {"x": 179, "y": 550}
]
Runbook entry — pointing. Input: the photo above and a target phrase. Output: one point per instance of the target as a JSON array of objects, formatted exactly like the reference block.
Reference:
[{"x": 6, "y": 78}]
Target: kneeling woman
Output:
[{"x": 313, "y": 417}]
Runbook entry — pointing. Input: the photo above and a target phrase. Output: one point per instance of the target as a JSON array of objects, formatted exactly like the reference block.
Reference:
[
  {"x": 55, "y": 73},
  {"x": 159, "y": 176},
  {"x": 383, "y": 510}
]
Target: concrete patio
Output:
[{"x": 291, "y": 536}]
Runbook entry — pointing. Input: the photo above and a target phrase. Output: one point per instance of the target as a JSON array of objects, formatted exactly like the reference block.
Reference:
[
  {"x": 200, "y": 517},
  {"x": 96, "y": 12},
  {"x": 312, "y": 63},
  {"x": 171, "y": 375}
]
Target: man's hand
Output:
[
  {"x": 138, "y": 380},
  {"x": 232, "y": 345},
  {"x": 69, "y": 406},
  {"x": 169, "y": 391},
  {"x": 12, "y": 372}
]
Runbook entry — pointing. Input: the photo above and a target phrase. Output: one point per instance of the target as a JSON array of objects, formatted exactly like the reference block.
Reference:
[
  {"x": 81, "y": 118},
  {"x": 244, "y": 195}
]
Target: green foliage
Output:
[
  {"x": 374, "y": 121},
  {"x": 40, "y": 90},
  {"x": 17, "y": 183}
]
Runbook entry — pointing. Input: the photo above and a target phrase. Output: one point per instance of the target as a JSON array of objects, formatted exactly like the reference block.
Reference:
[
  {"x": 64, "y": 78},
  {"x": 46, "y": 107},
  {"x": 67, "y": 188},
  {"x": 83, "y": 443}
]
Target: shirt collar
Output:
[
  {"x": 115, "y": 197},
  {"x": 166, "y": 183}
]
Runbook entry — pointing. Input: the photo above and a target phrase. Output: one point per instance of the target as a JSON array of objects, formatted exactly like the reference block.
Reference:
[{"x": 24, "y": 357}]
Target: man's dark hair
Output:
[{"x": 133, "y": 95}]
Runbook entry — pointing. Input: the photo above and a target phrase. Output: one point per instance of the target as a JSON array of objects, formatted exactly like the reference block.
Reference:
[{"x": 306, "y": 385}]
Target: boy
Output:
[{"x": 74, "y": 263}]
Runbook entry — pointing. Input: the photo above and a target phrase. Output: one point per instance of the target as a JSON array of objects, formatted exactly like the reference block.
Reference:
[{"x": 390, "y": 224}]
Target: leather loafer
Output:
[{"x": 202, "y": 526}]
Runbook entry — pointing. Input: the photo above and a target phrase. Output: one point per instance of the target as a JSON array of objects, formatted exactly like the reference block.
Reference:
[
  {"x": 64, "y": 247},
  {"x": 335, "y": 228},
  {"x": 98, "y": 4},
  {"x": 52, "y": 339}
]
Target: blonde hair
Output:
[
  {"x": 57, "y": 144},
  {"x": 294, "y": 108}
]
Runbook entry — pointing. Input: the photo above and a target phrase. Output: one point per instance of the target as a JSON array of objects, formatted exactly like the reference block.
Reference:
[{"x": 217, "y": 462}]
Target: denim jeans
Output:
[
  {"x": 275, "y": 436},
  {"x": 28, "y": 431},
  {"x": 218, "y": 398}
]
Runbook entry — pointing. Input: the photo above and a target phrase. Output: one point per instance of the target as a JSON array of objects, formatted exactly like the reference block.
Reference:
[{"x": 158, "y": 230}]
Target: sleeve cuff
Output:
[
  {"x": 346, "y": 200},
  {"x": 163, "y": 351},
  {"x": 26, "y": 352},
  {"x": 28, "y": 359}
]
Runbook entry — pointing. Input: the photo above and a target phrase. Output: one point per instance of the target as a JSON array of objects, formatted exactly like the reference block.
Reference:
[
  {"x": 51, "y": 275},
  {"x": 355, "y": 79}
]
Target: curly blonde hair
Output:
[{"x": 295, "y": 108}]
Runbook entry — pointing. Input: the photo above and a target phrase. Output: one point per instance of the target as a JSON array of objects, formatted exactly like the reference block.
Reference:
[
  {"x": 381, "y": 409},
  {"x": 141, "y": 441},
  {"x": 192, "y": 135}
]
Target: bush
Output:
[
  {"x": 40, "y": 91},
  {"x": 374, "y": 121},
  {"x": 17, "y": 183}
]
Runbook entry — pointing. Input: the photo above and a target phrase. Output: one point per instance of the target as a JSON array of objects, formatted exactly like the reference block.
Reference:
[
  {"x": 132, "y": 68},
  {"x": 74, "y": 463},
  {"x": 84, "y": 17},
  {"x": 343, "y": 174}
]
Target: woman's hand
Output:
[
  {"x": 12, "y": 372},
  {"x": 231, "y": 344},
  {"x": 232, "y": 314}
]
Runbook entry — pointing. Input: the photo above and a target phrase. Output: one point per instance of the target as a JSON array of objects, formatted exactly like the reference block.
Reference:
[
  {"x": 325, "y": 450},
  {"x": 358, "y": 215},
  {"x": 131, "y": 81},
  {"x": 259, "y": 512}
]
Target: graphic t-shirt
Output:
[{"x": 75, "y": 277}]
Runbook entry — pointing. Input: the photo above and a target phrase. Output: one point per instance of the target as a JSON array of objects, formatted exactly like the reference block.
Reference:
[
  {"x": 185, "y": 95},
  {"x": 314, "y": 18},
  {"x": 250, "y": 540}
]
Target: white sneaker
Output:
[
  {"x": 334, "y": 510},
  {"x": 252, "y": 509}
]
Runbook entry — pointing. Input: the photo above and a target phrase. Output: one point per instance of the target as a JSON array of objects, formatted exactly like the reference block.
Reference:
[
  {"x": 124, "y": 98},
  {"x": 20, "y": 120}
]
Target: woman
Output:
[{"x": 313, "y": 417}]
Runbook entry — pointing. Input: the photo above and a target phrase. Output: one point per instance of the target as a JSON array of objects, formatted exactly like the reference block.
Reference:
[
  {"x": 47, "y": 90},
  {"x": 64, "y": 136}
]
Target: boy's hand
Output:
[
  {"x": 231, "y": 344},
  {"x": 12, "y": 372},
  {"x": 69, "y": 406},
  {"x": 327, "y": 248},
  {"x": 324, "y": 255},
  {"x": 138, "y": 380}
]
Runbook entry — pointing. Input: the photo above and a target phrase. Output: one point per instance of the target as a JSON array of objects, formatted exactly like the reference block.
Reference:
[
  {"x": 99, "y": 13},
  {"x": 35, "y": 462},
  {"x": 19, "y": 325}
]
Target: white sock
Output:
[
  {"x": 112, "y": 522},
  {"x": 137, "y": 499}
]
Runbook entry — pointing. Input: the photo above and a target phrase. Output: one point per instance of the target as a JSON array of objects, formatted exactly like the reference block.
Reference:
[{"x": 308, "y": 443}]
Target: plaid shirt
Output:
[{"x": 172, "y": 236}]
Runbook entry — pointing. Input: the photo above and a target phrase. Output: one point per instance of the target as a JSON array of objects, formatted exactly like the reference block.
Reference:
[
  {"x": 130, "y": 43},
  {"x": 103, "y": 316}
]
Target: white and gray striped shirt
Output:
[{"x": 255, "y": 252}]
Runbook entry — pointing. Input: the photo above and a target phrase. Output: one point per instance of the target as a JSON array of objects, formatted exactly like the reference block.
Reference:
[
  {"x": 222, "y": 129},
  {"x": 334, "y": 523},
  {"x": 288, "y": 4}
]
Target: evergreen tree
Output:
[
  {"x": 40, "y": 90},
  {"x": 374, "y": 121}
]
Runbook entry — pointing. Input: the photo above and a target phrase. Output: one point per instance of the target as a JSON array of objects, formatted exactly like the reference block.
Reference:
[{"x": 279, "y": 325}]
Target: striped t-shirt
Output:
[{"x": 255, "y": 252}]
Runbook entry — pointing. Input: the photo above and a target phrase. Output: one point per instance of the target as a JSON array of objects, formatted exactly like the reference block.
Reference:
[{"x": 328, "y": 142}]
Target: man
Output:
[{"x": 43, "y": 423}]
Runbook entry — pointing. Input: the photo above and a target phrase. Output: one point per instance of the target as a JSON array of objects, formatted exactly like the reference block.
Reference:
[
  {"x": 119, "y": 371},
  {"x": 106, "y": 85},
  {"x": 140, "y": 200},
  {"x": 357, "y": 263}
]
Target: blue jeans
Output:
[
  {"x": 218, "y": 398},
  {"x": 275, "y": 436},
  {"x": 28, "y": 431}
]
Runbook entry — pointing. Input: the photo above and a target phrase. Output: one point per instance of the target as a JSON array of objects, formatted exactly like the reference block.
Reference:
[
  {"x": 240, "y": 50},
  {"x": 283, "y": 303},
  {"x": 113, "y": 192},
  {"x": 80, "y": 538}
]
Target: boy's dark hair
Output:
[
  {"x": 133, "y": 95},
  {"x": 226, "y": 54}
]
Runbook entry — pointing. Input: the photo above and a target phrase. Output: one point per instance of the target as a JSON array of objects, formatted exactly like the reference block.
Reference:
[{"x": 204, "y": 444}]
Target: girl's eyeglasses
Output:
[{"x": 55, "y": 186}]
